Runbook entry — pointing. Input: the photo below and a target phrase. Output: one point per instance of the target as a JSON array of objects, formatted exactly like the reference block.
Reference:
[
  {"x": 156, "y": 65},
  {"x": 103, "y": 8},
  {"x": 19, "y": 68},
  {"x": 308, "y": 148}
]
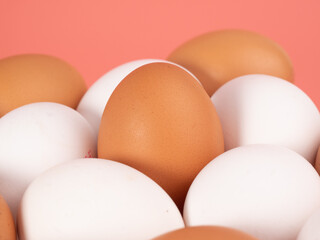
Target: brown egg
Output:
[
  {"x": 220, "y": 56},
  {"x": 160, "y": 121},
  {"x": 38, "y": 78},
  {"x": 317, "y": 162},
  {"x": 7, "y": 228},
  {"x": 206, "y": 233}
]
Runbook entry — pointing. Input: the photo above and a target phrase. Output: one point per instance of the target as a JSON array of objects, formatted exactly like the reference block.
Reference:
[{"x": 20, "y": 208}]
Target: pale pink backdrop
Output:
[{"x": 97, "y": 35}]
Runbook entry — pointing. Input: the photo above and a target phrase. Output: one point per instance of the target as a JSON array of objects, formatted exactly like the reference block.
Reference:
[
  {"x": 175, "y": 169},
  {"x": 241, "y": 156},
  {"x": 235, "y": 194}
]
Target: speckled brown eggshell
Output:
[
  {"x": 7, "y": 228},
  {"x": 220, "y": 56},
  {"x": 33, "y": 78},
  {"x": 206, "y": 233},
  {"x": 160, "y": 121}
]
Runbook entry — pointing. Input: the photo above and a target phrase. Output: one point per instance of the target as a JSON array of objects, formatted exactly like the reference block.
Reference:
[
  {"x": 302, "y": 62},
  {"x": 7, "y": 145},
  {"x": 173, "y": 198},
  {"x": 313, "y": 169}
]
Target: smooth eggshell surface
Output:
[
  {"x": 36, "y": 137},
  {"x": 95, "y": 99},
  {"x": 30, "y": 78},
  {"x": 317, "y": 163},
  {"x": 261, "y": 109},
  {"x": 95, "y": 199},
  {"x": 7, "y": 227},
  {"x": 220, "y": 56},
  {"x": 311, "y": 230},
  {"x": 206, "y": 233},
  {"x": 266, "y": 191},
  {"x": 160, "y": 121}
]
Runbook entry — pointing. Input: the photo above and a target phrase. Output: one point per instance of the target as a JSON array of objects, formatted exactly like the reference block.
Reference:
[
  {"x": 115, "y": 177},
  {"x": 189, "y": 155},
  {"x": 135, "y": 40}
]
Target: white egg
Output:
[
  {"x": 95, "y": 99},
  {"x": 267, "y": 191},
  {"x": 311, "y": 229},
  {"x": 96, "y": 199},
  {"x": 36, "y": 137},
  {"x": 261, "y": 109}
]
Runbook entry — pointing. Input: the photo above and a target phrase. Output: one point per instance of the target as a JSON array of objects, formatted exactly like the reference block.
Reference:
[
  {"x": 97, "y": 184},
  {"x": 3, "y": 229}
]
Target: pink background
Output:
[{"x": 97, "y": 35}]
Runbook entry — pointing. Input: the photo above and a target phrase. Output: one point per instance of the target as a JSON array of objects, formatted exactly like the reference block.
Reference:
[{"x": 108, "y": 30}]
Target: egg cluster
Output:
[{"x": 145, "y": 153}]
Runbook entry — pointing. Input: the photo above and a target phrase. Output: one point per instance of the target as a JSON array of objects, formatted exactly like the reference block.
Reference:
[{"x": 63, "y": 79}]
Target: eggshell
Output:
[
  {"x": 36, "y": 137},
  {"x": 311, "y": 230},
  {"x": 261, "y": 109},
  {"x": 30, "y": 78},
  {"x": 317, "y": 163},
  {"x": 95, "y": 99},
  {"x": 220, "y": 56},
  {"x": 205, "y": 233},
  {"x": 7, "y": 228},
  {"x": 160, "y": 121},
  {"x": 266, "y": 191},
  {"x": 95, "y": 199}
]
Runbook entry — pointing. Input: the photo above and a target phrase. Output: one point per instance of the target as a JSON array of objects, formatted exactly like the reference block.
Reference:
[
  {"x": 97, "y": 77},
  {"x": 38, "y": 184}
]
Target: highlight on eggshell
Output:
[
  {"x": 217, "y": 57},
  {"x": 95, "y": 99},
  {"x": 262, "y": 109},
  {"x": 160, "y": 121},
  {"x": 29, "y": 78},
  {"x": 7, "y": 227},
  {"x": 311, "y": 230},
  {"x": 264, "y": 190},
  {"x": 205, "y": 233},
  {"x": 36, "y": 137},
  {"x": 96, "y": 199}
]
